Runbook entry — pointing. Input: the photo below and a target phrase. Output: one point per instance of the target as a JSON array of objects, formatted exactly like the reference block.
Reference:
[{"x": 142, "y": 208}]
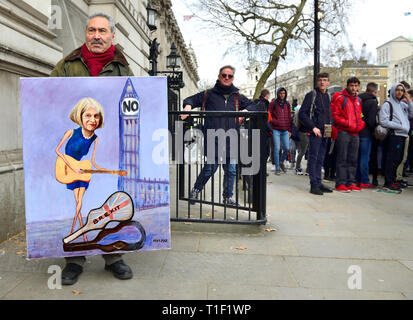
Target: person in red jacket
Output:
[
  {"x": 346, "y": 111},
  {"x": 280, "y": 111}
]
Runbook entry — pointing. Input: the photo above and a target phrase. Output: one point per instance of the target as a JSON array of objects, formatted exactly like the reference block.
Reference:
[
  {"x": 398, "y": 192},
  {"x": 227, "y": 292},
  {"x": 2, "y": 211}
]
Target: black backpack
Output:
[
  {"x": 380, "y": 132},
  {"x": 296, "y": 119}
]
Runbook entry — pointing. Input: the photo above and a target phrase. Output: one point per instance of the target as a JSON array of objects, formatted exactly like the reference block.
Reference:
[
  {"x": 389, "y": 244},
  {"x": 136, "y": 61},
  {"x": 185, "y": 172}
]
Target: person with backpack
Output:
[
  {"x": 394, "y": 115},
  {"x": 369, "y": 112},
  {"x": 280, "y": 110},
  {"x": 346, "y": 109},
  {"x": 315, "y": 116}
]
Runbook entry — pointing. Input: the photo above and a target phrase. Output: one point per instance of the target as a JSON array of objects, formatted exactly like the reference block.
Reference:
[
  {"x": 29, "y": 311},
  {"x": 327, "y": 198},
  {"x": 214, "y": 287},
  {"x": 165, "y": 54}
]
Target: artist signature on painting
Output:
[{"x": 160, "y": 240}]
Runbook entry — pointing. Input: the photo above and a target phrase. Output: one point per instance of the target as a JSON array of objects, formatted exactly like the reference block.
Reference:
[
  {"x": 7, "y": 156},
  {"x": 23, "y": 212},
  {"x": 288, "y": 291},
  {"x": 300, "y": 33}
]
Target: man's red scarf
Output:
[{"x": 96, "y": 62}]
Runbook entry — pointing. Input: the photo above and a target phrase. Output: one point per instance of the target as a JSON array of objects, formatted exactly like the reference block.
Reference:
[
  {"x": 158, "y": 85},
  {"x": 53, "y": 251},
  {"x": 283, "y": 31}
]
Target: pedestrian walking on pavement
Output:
[{"x": 280, "y": 110}]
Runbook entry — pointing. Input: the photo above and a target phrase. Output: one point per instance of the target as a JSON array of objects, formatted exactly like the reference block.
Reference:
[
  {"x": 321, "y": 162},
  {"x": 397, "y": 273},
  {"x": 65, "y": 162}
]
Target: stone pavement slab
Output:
[
  {"x": 226, "y": 291},
  {"x": 354, "y": 248},
  {"x": 234, "y": 268},
  {"x": 98, "y": 286},
  {"x": 326, "y": 273}
]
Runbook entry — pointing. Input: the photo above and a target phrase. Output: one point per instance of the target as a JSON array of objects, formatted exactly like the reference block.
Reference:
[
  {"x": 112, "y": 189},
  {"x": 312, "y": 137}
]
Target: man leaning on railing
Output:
[{"x": 224, "y": 96}]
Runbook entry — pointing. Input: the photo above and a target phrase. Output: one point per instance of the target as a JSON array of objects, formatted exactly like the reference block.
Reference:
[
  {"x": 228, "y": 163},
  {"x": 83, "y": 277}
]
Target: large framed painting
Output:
[{"x": 92, "y": 185}]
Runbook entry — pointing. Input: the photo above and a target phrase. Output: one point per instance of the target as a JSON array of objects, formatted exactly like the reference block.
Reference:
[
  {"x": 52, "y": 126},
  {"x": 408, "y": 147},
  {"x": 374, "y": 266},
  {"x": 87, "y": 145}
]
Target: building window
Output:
[{"x": 377, "y": 73}]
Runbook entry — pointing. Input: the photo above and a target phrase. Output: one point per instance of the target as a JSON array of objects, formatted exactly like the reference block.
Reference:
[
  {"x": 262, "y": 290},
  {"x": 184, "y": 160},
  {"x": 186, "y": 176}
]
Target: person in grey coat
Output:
[{"x": 394, "y": 115}]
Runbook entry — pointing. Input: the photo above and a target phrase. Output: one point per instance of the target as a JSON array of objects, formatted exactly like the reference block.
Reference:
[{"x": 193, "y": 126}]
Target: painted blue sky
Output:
[{"x": 46, "y": 105}]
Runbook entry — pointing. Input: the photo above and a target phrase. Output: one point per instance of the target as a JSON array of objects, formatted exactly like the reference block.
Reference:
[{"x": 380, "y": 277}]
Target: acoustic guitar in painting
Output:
[
  {"x": 66, "y": 175},
  {"x": 132, "y": 233},
  {"x": 118, "y": 207}
]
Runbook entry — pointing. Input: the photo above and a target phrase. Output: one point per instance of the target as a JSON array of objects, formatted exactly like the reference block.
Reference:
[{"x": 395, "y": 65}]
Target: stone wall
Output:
[{"x": 27, "y": 49}]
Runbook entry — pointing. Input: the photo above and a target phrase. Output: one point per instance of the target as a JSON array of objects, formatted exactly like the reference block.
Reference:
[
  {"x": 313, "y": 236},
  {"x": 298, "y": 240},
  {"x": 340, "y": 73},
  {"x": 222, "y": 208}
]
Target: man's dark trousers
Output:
[
  {"x": 347, "y": 156},
  {"x": 316, "y": 153},
  {"x": 394, "y": 146}
]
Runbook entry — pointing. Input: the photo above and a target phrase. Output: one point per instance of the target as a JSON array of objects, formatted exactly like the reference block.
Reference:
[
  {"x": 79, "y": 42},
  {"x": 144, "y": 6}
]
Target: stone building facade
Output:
[
  {"x": 34, "y": 36},
  {"x": 366, "y": 73},
  {"x": 397, "y": 55},
  {"x": 299, "y": 82},
  {"x": 403, "y": 70}
]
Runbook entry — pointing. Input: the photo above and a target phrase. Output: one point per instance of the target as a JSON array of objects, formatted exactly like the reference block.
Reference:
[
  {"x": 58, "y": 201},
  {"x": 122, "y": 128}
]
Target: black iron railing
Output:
[{"x": 190, "y": 157}]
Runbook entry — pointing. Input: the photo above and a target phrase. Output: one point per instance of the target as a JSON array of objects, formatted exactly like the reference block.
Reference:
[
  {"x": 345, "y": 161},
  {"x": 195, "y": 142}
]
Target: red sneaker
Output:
[
  {"x": 353, "y": 187},
  {"x": 342, "y": 188},
  {"x": 365, "y": 185}
]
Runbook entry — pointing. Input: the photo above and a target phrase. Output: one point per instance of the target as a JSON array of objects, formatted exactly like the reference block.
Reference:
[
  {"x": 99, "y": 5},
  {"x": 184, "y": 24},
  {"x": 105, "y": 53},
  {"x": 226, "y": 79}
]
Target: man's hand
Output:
[
  {"x": 242, "y": 118},
  {"x": 188, "y": 107},
  {"x": 317, "y": 132},
  {"x": 407, "y": 98}
]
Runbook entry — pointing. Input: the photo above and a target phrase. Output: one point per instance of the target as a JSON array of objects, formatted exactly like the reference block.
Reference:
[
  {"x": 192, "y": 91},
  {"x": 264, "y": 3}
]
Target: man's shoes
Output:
[
  {"x": 353, "y": 187},
  {"x": 365, "y": 185},
  {"x": 193, "y": 195},
  {"x": 299, "y": 172},
  {"x": 282, "y": 166},
  {"x": 230, "y": 202},
  {"x": 325, "y": 189},
  {"x": 342, "y": 188},
  {"x": 71, "y": 273},
  {"x": 316, "y": 190},
  {"x": 392, "y": 187},
  {"x": 402, "y": 183},
  {"x": 120, "y": 270},
  {"x": 278, "y": 171}
]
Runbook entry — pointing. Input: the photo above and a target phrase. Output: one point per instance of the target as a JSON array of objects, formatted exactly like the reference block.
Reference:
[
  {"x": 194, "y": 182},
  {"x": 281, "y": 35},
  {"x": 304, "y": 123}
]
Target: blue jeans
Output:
[
  {"x": 316, "y": 153},
  {"x": 229, "y": 177},
  {"x": 280, "y": 136},
  {"x": 362, "y": 174}
]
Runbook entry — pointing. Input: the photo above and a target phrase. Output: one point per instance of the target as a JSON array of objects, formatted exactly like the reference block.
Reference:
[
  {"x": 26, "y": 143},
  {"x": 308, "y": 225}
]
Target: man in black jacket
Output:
[
  {"x": 369, "y": 112},
  {"x": 224, "y": 96},
  {"x": 316, "y": 119}
]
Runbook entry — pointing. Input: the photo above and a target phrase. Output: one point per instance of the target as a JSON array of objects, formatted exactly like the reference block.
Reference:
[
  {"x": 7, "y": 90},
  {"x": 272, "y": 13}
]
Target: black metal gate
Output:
[{"x": 189, "y": 160}]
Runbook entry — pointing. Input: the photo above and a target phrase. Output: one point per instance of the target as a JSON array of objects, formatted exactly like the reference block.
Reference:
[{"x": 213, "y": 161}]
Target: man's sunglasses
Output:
[{"x": 227, "y": 76}]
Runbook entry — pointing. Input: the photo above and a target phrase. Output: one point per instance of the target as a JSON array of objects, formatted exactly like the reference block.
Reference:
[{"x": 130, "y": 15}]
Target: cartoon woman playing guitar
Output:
[{"x": 88, "y": 114}]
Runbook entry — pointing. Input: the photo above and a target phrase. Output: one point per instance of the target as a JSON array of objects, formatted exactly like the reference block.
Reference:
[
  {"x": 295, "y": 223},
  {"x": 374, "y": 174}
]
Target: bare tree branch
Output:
[{"x": 272, "y": 24}]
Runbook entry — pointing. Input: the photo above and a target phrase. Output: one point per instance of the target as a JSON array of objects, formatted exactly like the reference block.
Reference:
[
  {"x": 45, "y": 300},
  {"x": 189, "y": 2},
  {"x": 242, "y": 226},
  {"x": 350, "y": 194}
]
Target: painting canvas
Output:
[{"x": 92, "y": 185}]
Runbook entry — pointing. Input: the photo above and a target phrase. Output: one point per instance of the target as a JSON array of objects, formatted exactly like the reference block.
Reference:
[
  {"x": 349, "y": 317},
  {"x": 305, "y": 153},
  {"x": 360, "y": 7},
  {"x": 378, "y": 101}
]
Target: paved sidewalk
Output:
[{"x": 308, "y": 256}]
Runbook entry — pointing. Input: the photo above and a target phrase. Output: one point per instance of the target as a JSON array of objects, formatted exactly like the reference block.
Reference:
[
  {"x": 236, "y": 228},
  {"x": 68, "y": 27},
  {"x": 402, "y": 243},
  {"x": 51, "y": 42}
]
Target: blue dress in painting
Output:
[{"x": 77, "y": 147}]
